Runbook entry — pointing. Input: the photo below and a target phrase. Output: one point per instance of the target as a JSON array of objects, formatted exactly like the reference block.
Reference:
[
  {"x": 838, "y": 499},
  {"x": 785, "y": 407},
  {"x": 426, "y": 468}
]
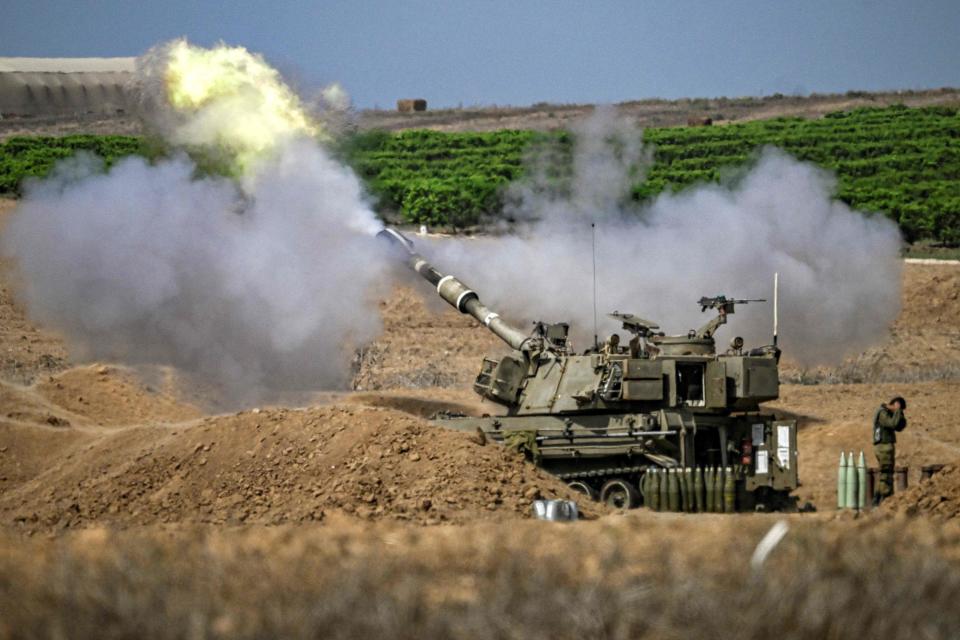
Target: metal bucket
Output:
[
  {"x": 900, "y": 479},
  {"x": 555, "y": 510},
  {"x": 871, "y": 483}
]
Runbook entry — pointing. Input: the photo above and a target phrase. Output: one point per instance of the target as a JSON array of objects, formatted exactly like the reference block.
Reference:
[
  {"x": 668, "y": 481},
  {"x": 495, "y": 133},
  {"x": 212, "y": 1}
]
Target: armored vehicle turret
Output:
[{"x": 668, "y": 421}]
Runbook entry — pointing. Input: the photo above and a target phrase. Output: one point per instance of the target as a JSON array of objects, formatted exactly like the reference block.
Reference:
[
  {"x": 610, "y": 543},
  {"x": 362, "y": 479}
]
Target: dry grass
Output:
[
  {"x": 857, "y": 371},
  {"x": 617, "y": 578}
]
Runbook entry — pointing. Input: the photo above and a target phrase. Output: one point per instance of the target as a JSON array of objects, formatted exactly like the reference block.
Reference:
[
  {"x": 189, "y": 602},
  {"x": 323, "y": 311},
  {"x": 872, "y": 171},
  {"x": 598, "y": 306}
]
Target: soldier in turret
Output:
[
  {"x": 612, "y": 345},
  {"x": 887, "y": 421}
]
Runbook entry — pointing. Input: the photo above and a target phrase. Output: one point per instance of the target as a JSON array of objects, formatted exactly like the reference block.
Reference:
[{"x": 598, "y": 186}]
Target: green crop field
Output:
[
  {"x": 902, "y": 162},
  {"x": 898, "y": 161},
  {"x": 33, "y": 157}
]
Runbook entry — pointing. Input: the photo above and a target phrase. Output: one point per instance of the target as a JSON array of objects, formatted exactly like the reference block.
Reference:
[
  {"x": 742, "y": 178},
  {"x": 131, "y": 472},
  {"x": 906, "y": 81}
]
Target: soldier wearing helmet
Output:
[{"x": 887, "y": 421}]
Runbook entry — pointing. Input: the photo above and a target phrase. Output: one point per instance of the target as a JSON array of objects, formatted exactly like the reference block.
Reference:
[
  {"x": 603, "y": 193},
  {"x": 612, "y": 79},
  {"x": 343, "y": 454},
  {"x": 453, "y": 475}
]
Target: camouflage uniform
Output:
[
  {"x": 886, "y": 423},
  {"x": 612, "y": 345}
]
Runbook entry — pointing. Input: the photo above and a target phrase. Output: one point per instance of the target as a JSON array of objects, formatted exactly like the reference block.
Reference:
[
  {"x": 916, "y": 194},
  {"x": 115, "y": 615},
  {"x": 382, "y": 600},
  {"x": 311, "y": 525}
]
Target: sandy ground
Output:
[
  {"x": 85, "y": 444},
  {"x": 352, "y": 516}
]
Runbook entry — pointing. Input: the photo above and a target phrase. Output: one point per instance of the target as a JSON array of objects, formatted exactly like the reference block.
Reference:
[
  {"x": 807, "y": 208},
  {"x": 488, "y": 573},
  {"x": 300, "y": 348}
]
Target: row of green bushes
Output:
[
  {"x": 33, "y": 157},
  {"x": 899, "y": 161},
  {"x": 902, "y": 162}
]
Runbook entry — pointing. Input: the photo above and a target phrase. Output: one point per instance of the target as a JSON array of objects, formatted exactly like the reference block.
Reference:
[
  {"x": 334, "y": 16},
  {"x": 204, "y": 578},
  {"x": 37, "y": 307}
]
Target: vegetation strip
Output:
[{"x": 899, "y": 161}]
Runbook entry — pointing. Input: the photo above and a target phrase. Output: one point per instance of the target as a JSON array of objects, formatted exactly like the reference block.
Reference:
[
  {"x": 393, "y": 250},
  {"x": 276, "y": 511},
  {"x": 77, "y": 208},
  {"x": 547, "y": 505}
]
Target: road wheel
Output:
[
  {"x": 582, "y": 487},
  {"x": 619, "y": 494}
]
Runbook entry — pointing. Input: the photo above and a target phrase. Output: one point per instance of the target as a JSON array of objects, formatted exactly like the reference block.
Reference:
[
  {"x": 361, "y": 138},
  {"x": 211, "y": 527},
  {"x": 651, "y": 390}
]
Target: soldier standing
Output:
[{"x": 886, "y": 422}]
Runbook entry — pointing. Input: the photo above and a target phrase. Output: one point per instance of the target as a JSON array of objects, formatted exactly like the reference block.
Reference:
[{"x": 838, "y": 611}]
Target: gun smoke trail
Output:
[
  {"x": 839, "y": 268},
  {"x": 257, "y": 283},
  {"x": 267, "y": 280}
]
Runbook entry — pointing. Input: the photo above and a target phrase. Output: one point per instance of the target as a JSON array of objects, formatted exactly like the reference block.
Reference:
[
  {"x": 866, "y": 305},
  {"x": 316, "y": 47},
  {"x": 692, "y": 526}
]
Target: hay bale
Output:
[{"x": 410, "y": 105}]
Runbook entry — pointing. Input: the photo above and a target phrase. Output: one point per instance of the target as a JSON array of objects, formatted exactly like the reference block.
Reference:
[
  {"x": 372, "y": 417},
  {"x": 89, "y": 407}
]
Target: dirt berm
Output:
[
  {"x": 938, "y": 497},
  {"x": 260, "y": 466}
]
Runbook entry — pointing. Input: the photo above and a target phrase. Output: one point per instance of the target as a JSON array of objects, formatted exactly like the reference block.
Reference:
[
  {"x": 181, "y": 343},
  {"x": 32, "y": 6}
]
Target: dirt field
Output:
[
  {"x": 547, "y": 117},
  {"x": 650, "y": 113},
  {"x": 132, "y": 449},
  {"x": 353, "y": 514}
]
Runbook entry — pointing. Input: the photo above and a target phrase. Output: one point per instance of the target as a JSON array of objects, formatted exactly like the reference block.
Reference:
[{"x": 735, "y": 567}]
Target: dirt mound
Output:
[
  {"x": 938, "y": 497},
  {"x": 271, "y": 466},
  {"x": 111, "y": 396},
  {"x": 931, "y": 296}
]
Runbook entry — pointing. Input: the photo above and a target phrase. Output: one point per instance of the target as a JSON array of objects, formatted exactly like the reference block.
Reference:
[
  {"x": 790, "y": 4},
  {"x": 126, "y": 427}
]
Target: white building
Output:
[{"x": 65, "y": 86}]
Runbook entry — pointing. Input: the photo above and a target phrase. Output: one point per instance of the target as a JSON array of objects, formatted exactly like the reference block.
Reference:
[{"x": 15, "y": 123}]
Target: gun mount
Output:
[
  {"x": 724, "y": 306},
  {"x": 610, "y": 421}
]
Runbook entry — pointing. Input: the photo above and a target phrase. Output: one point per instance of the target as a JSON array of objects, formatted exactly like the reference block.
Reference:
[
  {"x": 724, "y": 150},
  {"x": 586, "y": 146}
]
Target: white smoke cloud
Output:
[
  {"x": 265, "y": 282},
  {"x": 259, "y": 283},
  {"x": 335, "y": 97},
  {"x": 839, "y": 269}
]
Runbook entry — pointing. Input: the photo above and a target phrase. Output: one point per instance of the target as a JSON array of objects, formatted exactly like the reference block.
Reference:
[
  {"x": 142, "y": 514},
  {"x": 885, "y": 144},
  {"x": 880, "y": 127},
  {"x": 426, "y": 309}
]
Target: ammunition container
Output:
[
  {"x": 871, "y": 483},
  {"x": 900, "y": 478}
]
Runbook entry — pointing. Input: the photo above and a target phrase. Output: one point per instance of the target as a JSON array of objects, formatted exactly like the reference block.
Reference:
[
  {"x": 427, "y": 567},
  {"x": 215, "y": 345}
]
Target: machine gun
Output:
[{"x": 724, "y": 307}]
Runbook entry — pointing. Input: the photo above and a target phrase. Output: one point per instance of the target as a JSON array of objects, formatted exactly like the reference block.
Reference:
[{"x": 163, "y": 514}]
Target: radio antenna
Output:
[
  {"x": 593, "y": 232},
  {"x": 776, "y": 306}
]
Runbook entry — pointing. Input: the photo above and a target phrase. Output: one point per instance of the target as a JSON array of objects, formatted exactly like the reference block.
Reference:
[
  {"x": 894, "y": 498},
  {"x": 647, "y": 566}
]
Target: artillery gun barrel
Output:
[{"x": 454, "y": 292}]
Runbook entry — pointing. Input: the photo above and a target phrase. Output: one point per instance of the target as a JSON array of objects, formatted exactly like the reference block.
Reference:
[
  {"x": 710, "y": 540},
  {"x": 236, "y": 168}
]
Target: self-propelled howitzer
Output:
[{"x": 664, "y": 420}]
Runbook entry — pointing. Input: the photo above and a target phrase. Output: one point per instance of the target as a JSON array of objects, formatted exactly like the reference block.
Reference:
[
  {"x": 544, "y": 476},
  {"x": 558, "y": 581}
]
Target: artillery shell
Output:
[
  {"x": 842, "y": 482},
  {"x": 708, "y": 490},
  {"x": 684, "y": 490},
  {"x": 850, "y": 498},
  {"x": 664, "y": 487},
  {"x": 698, "y": 490},
  {"x": 673, "y": 490},
  {"x": 729, "y": 491},
  {"x": 652, "y": 487},
  {"x": 718, "y": 491}
]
